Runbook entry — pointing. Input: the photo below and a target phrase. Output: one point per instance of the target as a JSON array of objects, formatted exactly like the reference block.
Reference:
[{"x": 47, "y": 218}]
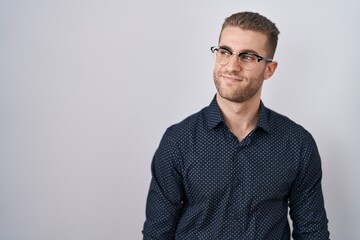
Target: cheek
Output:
[
  {"x": 260, "y": 74},
  {"x": 217, "y": 70}
]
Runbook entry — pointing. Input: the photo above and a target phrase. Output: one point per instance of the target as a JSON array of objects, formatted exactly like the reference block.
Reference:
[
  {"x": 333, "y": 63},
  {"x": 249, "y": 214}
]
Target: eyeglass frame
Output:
[{"x": 258, "y": 57}]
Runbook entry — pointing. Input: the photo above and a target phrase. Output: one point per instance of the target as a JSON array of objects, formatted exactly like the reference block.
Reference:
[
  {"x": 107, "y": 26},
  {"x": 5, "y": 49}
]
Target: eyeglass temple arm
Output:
[{"x": 265, "y": 59}]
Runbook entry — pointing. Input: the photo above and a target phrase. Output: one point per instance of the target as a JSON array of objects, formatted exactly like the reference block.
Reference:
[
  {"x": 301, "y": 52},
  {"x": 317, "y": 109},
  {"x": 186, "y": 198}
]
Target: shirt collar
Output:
[
  {"x": 214, "y": 116},
  {"x": 263, "y": 121}
]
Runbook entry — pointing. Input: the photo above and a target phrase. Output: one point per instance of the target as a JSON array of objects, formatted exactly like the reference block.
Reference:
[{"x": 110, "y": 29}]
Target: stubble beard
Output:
[{"x": 239, "y": 94}]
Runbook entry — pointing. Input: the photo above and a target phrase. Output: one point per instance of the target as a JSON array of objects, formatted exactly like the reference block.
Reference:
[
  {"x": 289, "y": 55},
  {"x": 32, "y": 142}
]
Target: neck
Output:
[{"x": 241, "y": 118}]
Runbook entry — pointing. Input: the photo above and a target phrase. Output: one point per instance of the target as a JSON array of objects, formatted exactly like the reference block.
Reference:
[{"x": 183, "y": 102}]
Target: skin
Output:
[{"x": 238, "y": 90}]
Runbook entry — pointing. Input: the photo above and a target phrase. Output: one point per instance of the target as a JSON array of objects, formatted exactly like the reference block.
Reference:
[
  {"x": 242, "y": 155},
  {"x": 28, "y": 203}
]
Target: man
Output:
[{"x": 232, "y": 170}]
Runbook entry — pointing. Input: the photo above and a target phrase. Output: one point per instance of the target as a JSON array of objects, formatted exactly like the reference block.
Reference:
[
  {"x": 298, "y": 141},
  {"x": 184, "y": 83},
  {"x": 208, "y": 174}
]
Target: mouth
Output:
[{"x": 229, "y": 78}]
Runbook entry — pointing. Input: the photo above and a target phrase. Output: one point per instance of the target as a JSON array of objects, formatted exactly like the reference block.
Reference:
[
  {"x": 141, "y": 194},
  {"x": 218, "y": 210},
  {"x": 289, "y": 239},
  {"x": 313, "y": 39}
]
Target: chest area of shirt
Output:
[{"x": 263, "y": 171}]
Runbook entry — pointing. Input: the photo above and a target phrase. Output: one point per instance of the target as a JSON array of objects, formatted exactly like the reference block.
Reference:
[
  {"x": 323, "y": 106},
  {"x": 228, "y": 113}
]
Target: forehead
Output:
[{"x": 239, "y": 40}]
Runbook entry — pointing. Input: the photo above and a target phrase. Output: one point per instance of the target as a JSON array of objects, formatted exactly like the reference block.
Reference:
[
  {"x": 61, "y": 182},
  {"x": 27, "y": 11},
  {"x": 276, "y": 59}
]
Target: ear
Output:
[{"x": 270, "y": 69}]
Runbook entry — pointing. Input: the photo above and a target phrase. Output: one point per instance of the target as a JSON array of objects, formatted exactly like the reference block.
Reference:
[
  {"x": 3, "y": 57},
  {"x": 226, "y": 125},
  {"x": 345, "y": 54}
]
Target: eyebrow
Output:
[{"x": 245, "y": 50}]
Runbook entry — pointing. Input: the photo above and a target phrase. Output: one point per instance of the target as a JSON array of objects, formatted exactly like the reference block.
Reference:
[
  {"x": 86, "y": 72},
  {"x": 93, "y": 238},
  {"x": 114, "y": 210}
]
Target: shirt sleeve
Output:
[
  {"x": 307, "y": 209},
  {"x": 166, "y": 193}
]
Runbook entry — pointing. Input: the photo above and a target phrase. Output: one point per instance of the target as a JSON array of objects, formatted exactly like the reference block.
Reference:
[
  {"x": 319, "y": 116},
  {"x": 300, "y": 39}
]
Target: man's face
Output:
[{"x": 232, "y": 81}]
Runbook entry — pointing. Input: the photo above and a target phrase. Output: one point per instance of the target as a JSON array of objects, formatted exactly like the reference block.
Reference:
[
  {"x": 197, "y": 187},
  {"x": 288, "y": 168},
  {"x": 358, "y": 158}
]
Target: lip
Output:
[{"x": 231, "y": 78}]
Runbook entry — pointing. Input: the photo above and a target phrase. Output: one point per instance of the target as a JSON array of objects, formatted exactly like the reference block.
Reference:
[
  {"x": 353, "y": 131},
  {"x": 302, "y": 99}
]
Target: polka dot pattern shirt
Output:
[{"x": 208, "y": 185}]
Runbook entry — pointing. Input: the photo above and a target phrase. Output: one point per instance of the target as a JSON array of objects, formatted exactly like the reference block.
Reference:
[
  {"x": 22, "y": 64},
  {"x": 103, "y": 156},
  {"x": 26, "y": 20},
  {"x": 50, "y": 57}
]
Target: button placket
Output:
[{"x": 238, "y": 187}]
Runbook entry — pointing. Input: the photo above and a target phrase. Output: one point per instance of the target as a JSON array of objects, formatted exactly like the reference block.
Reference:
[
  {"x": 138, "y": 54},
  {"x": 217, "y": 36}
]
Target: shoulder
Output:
[
  {"x": 285, "y": 127},
  {"x": 179, "y": 137},
  {"x": 294, "y": 139},
  {"x": 188, "y": 126}
]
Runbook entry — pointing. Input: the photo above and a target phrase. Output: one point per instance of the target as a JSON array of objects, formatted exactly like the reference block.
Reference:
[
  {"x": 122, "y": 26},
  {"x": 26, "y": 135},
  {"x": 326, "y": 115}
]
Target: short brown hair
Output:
[{"x": 255, "y": 22}]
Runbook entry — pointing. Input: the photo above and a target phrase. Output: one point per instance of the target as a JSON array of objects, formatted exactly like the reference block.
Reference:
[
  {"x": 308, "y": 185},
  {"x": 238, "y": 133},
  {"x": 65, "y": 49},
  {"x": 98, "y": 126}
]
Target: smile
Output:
[{"x": 231, "y": 78}]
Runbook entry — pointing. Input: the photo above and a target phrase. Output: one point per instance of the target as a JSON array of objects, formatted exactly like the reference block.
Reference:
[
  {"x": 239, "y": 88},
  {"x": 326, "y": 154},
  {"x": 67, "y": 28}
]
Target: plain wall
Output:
[{"x": 87, "y": 88}]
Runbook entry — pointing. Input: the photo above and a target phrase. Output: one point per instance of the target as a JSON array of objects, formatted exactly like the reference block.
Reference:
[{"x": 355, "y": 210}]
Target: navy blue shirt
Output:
[{"x": 208, "y": 185}]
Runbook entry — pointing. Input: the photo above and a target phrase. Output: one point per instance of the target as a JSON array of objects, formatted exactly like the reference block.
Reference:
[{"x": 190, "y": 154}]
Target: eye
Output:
[
  {"x": 223, "y": 52},
  {"x": 247, "y": 57}
]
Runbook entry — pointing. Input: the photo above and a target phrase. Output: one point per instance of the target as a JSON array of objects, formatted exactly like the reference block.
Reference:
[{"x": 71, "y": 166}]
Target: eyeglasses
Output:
[{"x": 247, "y": 60}]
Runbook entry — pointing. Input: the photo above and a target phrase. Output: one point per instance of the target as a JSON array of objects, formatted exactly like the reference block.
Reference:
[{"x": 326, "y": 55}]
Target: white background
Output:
[{"x": 87, "y": 88}]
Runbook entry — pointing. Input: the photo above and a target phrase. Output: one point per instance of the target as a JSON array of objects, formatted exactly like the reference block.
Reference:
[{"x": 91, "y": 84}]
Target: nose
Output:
[{"x": 233, "y": 64}]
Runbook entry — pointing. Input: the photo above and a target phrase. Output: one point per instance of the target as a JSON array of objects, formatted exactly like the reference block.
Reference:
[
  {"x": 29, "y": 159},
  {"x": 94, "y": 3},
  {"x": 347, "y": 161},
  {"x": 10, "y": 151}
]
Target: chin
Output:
[{"x": 237, "y": 98}]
